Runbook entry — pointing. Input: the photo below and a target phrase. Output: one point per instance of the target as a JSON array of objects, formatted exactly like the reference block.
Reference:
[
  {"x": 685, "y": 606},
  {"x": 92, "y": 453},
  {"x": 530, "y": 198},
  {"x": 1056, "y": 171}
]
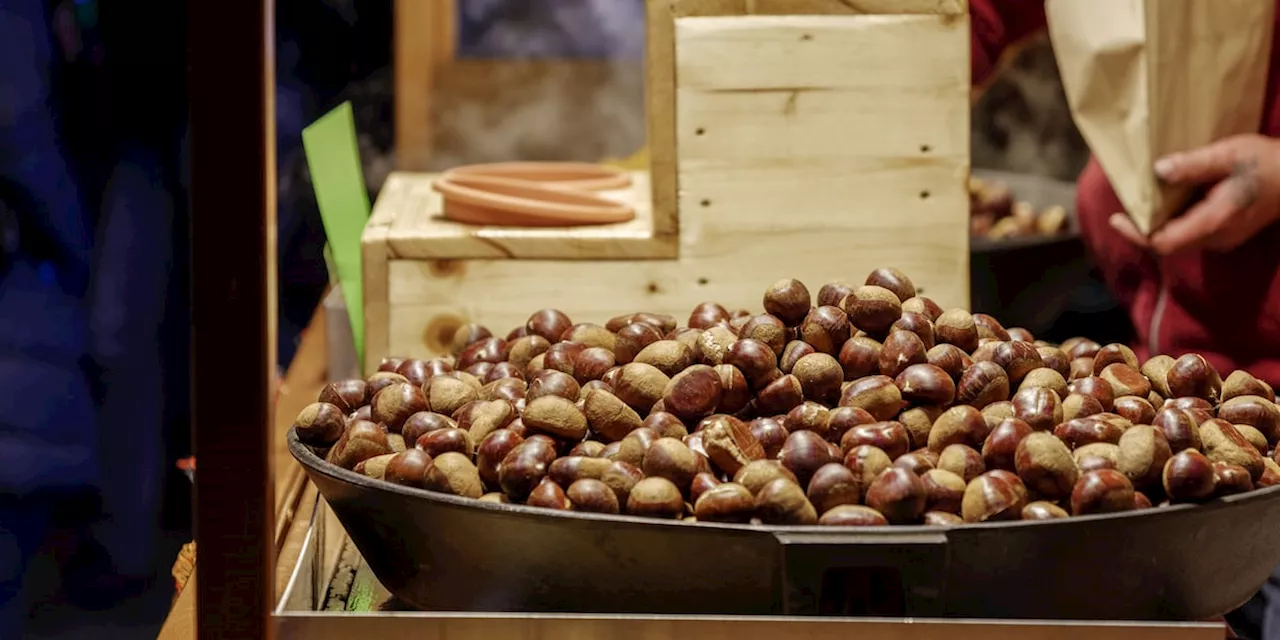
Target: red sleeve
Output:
[{"x": 996, "y": 24}]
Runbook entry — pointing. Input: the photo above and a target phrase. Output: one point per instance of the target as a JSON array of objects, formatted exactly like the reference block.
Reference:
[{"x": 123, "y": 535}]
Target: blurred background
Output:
[{"x": 93, "y": 240}]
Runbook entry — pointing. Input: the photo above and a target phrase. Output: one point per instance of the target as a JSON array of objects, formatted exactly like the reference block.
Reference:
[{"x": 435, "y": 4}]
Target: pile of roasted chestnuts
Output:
[
  {"x": 864, "y": 405},
  {"x": 995, "y": 214}
]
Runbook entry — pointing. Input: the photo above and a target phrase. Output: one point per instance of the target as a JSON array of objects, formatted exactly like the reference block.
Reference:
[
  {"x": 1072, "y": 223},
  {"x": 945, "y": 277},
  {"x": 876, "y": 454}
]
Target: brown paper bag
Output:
[{"x": 1145, "y": 78}]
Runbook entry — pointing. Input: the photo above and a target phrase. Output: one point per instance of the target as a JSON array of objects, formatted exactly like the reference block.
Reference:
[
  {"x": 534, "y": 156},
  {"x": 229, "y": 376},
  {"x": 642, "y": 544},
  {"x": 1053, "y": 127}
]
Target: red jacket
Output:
[{"x": 1223, "y": 305}]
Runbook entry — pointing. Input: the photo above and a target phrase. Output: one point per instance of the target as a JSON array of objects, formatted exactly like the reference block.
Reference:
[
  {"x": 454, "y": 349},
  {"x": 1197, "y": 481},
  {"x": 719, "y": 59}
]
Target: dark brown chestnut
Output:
[
  {"x": 941, "y": 519},
  {"x": 867, "y": 462},
  {"x": 767, "y": 329},
  {"x": 803, "y": 453},
  {"x": 832, "y": 485},
  {"x": 729, "y": 443},
  {"x": 408, "y": 469},
  {"x": 1241, "y": 383},
  {"x": 1042, "y": 510},
  {"x": 950, "y": 359},
  {"x": 592, "y": 496},
  {"x": 1193, "y": 376},
  {"x": 898, "y": 494},
  {"x": 548, "y": 495},
  {"x": 492, "y": 451},
  {"x": 915, "y": 461},
  {"x": 917, "y": 324},
  {"x": 780, "y": 396},
  {"x": 1055, "y": 359},
  {"x": 901, "y": 350},
  {"x": 989, "y": 327},
  {"x": 524, "y": 467},
  {"x": 771, "y": 434},
  {"x": 889, "y": 436},
  {"x": 788, "y": 300},
  {"x": 826, "y": 328},
  {"x": 956, "y": 326},
  {"x": 346, "y": 395},
  {"x": 1046, "y": 466},
  {"x": 1114, "y": 353},
  {"x": 872, "y": 309},
  {"x": 395, "y": 403},
  {"x": 820, "y": 377},
  {"x": 993, "y": 496},
  {"x": 1080, "y": 432},
  {"x": 320, "y": 424},
  {"x": 1230, "y": 479},
  {"x": 1255, "y": 411},
  {"x": 1102, "y": 491},
  {"x": 961, "y": 424},
  {"x": 441, "y": 441},
  {"x": 962, "y": 460},
  {"x": 1001, "y": 445},
  {"x": 693, "y": 393},
  {"x": 944, "y": 491},
  {"x": 832, "y": 293},
  {"x": 621, "y": 477},
  {"x": 655, "y": 497},
  {"x": 923, "y": 306},
  {"x": 852, "y": 515},
  {"x": 877, "y": 395},
  {"x": 1038, "y": 407},
  {"x": 726, "y": 502},
  {"x": 982, "y": 384},
  {"x": 893, "y": 280},
  {"x": 926, "y": 384},
  {"x": 783, "y": 502},
  {"x": 859, "y": 357},
  {"x": 453, "y": 473}
]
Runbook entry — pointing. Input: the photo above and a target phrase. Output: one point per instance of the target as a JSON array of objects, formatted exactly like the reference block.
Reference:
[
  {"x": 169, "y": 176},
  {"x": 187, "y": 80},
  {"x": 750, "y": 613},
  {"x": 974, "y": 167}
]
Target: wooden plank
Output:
[
  {"x": 373, "y": 265},
  {"x": 685, "y": 8},
  {"x": 181, "y": 621},
  {"x": 430, "y": 297},
  {"x": 420, "y": 231},
  {"x": 660, "y": 114},
  {"x": 425, "y": 37},
  {"x": 233, "y": 173},
  {"x": 820, "y": 124},
  {"x": 822, "y": 53}
]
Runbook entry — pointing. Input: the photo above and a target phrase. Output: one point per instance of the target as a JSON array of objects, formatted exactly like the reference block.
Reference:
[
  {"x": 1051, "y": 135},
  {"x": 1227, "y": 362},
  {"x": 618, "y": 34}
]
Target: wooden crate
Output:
[{"x": 815, "y": 139}]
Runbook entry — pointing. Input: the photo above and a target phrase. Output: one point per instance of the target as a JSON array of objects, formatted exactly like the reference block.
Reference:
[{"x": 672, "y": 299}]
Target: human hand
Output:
[{"x": 1244, "y": 200}]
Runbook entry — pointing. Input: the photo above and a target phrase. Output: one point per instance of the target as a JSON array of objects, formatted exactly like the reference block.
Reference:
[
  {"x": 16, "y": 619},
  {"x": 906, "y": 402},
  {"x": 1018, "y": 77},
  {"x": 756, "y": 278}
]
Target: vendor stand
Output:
[{"x": 255, "y": 528}]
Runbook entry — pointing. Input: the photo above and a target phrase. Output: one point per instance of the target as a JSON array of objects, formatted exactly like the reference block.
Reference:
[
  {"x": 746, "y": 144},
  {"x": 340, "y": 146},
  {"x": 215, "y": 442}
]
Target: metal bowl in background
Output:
[
  {"x": 1030, "y": 281},
  {"x": 446, "y": 553}
]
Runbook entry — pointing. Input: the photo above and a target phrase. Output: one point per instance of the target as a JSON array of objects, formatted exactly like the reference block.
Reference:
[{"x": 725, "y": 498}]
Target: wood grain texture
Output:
[
  {"x": 425, "y": 37},
  {"x": 660, "y": 114},
  {"x": 818, "y": 146},
  {"x": 541, "y": 627},
  {"x": 683, "y": 8}
]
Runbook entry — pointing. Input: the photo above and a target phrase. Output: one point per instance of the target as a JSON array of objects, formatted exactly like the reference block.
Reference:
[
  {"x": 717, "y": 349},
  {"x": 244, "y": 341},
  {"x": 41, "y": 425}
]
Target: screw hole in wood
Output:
[
  {"x": 706, "y": 203},
  {"x": 924, "y": 195}
]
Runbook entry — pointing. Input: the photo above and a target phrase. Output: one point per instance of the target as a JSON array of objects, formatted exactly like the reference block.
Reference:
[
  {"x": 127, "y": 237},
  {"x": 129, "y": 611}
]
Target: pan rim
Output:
[{"x": 308, "y": 458}]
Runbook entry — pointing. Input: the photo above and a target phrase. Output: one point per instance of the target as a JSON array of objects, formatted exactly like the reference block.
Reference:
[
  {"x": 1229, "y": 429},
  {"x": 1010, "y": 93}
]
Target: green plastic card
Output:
[{"x": 338, "y": 179}]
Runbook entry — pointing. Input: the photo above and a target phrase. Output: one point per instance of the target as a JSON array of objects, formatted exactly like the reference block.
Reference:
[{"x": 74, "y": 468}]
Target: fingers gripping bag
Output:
[{"x": 1145, "y": 78}]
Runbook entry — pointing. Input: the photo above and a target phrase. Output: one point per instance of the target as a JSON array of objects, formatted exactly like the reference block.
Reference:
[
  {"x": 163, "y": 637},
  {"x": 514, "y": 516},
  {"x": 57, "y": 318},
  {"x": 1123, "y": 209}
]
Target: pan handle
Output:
[{"x": 889, "y": 574}]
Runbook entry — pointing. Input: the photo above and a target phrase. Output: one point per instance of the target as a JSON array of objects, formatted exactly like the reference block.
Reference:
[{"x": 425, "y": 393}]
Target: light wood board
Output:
[{"x": 818, "y": 145}]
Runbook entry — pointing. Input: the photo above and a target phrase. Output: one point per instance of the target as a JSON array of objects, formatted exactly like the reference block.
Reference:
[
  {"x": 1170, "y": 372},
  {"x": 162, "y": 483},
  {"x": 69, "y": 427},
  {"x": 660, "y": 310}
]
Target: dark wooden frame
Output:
[{"x": 231, "y": 86}]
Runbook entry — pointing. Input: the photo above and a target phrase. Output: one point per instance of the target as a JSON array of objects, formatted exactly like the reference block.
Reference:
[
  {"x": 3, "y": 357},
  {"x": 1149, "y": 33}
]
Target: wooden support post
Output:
[
  {"x": 425, "y": 38},
  {"x": 233, "y": 228}
]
